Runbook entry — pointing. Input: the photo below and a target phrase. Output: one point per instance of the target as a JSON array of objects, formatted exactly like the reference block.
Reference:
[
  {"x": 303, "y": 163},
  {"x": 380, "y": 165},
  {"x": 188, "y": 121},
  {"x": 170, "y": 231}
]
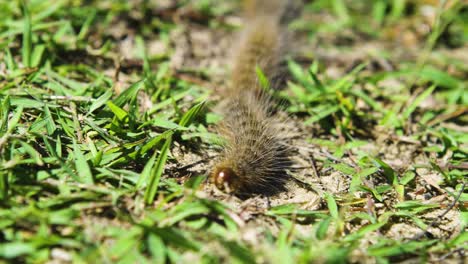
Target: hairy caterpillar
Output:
[{"x": 254, "y": 159}]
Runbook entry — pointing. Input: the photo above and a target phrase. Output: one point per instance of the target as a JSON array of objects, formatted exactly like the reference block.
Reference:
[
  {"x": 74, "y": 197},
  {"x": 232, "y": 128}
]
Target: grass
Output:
[{"x": 91, "y": 140}]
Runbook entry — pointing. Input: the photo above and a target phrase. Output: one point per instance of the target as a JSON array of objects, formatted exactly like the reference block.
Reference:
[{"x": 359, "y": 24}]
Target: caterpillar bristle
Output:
[{"x": 255, "y": 158}]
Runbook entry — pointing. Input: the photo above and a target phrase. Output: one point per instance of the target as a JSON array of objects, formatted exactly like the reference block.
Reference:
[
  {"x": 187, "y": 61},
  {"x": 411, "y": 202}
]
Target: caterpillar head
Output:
[{"x": 225, "y": 179}]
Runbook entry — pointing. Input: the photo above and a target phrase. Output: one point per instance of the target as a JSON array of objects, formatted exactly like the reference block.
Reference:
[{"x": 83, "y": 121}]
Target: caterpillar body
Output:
[{"x": 255, "y": 157}]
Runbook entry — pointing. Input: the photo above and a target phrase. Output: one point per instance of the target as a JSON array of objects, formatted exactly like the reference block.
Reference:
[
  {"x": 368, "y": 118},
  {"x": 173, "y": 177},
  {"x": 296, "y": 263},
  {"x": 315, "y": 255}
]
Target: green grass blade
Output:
[
  {"x": 332, "y": 206},
  {"x": 100, "y": 101},
  {"x": 129, "y": 94},
  {"x": 322, "y": 114},
  {"x": 118, "y": 112},
  {"x": 156, "y": 172},
  {"x": 82, "y": 167},
  {"x": 417, "y": 101},
  {"x": 27, "y": 36},
  {"x": 188, "y": 117},
  {"x": 262, "y": 79}
]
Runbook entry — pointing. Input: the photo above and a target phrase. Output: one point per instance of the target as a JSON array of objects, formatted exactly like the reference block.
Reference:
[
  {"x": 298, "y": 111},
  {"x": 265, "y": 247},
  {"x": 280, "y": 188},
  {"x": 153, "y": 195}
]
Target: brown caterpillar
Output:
[{"x": 255, "y": 158}]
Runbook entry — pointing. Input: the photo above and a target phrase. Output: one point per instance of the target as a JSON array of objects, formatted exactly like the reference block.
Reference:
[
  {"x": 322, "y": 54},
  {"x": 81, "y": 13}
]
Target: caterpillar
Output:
[{"x": 254, "y": 158}]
